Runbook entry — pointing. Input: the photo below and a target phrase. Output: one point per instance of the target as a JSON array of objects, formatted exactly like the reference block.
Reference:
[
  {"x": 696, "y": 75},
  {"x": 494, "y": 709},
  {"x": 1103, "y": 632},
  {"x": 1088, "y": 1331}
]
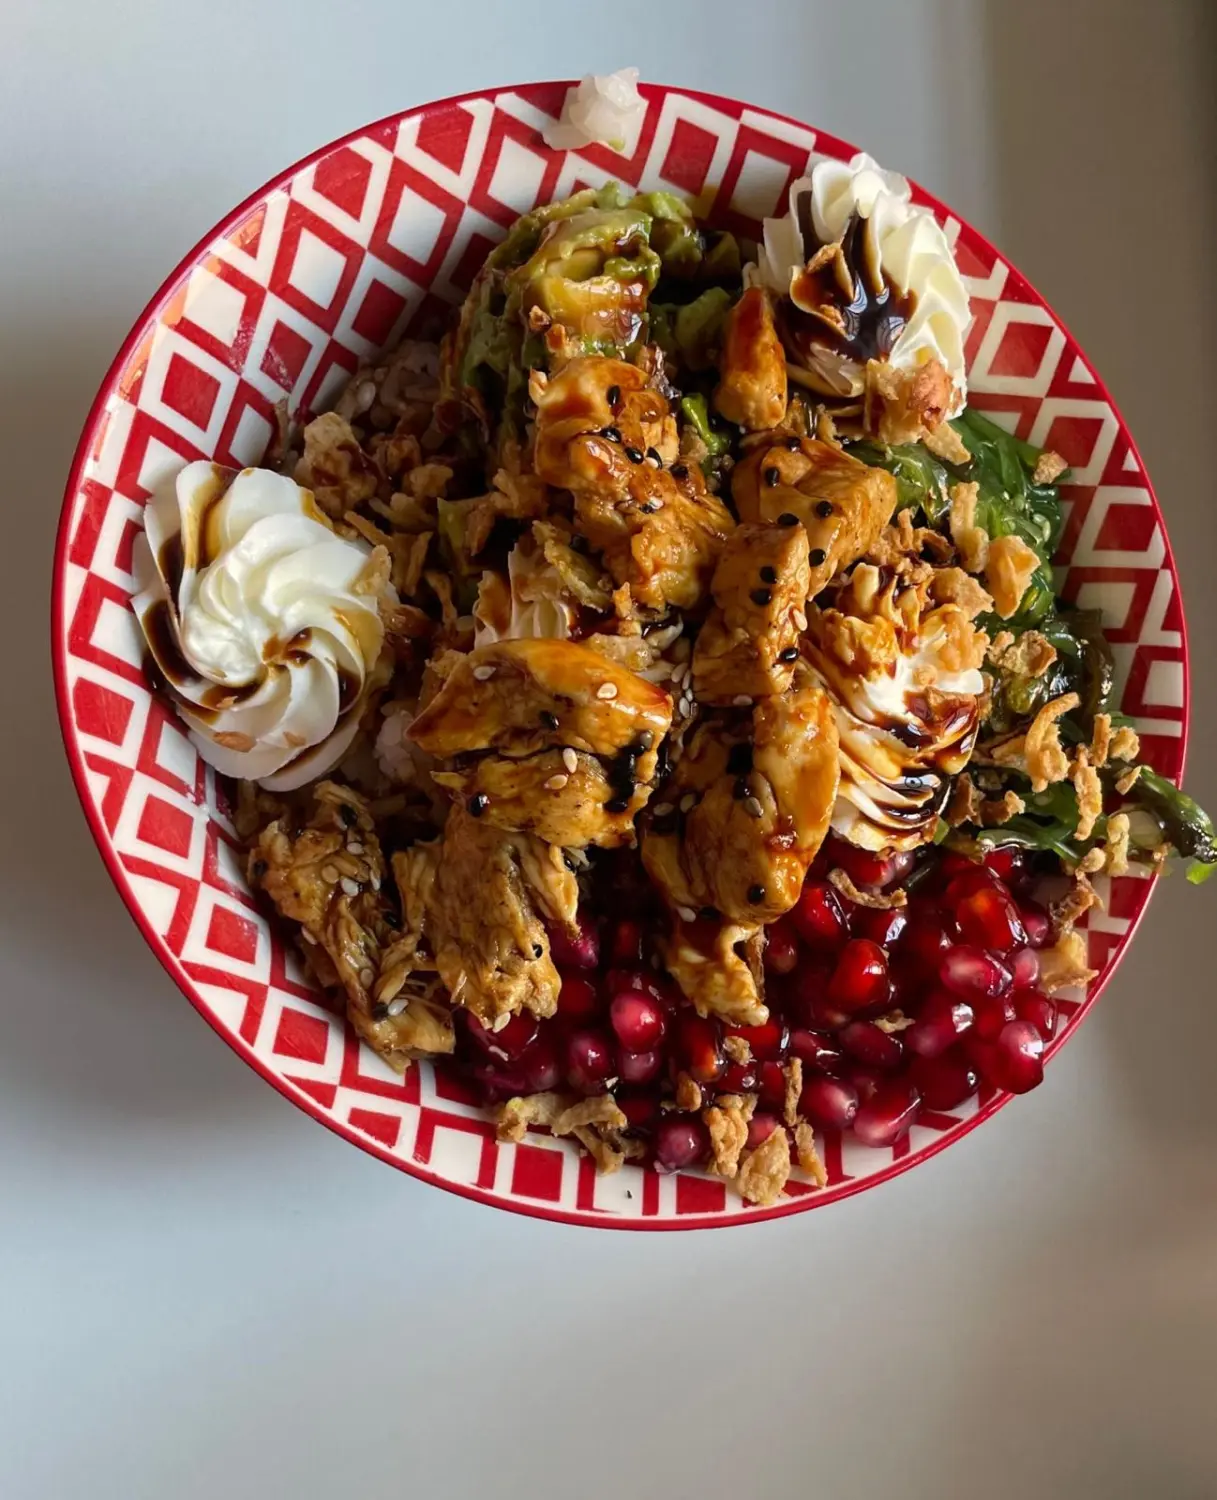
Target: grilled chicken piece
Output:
[
  {"x": 762, "y": 807},
  {"x": 749, "y": 644},
  {"x": 712, "y": 974},
  {"x": 658, "y": 528},
  {"x": 842, "y": 503},
  {"x": 491, "y": 947},
  {"x": 308, "y": 873},
  {"x": 542, "y": 796},
  {"x": 752, "y": 366},
  {"x": 519, "y": 697}
]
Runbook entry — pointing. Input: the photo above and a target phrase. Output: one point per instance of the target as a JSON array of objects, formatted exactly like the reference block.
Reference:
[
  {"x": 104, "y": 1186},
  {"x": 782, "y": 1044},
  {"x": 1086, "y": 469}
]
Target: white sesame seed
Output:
[
  {"x": 800, "y": 619},
  {"x": 752, "y": 806},
  {"x": 556, "y": 783},
  {"x": 501, "y": 1021},
  {"x": 350, "y": 887},
  {"x": 354, "y": 848},
  {"x": 308, "y": 937},
  {"x": 686, "y": 914},
  {"x": 397, "y": 1005},
  {"x": 687, "y": 802},
  {"x": 741, "y": 700},
  {"x": 483, "y": 673},
  {"x": 656, "y": 504},
  {"x": 570, "y": 760},
  {"x": 606, "y": 690},
  {"x": 374, "y": 881},
  {"x": 662, "y": 809},
  {"x": 330, "y": 873},
  {"x": 366, "y": 977}
]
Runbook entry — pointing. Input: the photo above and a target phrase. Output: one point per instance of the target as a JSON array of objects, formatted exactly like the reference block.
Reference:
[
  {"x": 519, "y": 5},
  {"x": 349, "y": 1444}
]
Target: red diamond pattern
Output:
[{"x": 393, "y": 223}]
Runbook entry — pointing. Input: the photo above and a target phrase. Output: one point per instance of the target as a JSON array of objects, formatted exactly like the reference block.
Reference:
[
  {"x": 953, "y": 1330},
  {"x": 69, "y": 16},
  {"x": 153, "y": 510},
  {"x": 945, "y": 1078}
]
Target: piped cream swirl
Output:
[{"x": 264, "y": 623}]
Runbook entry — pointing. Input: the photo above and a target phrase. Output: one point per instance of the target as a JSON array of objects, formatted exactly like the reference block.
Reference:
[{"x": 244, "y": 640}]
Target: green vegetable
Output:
[
  {"x": 1009, "y": 503},
  {"x": 696, "y": 413},
  {"x": 1182, "y": 820},
  {"x": 697, "y": 327},
  {"x": 922, "y": 482}
]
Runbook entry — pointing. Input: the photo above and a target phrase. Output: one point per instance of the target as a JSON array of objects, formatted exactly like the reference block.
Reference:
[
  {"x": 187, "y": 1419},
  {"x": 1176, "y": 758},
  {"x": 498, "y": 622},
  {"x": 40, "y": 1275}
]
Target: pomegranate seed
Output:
[
  {"x": 639, "y": 1067},
  {"x": 940, "y": 1023},
  {"x": 698, "y": 1048},
  {"x": 738, "y": 1078},
  {"x": 823, "y": 1015},
  {"x": 971, "y": 972},
  {"x": 640, "y": 1110},
  {"x": 1036, "y": 923},
  {"x": 872, "y": 1046},
  {"x": 865, "y": 1080},
  {"x": 1018, "y": 1058},
  {"x": 625, "y": 943},
  {"x": 637, "y": 1020},
  {"x": 541, "y": 1066},
  {"x": 1039, "y": 1010},
  {"x": 987, "y": 917},
  {"x": 795, "y": 995},
  {"x": 818, "y": 916},
  {"x": 1006, "y": 863},
  {"x": 886, "y": 1117},
  {"x": 760, "y": 1128},
  {"x": 771, "y": 1085},
  {"x": 782, "y": 949},
  {"x": 944, "y": 1082},
  {"x": 815, "y": 1050},
  {"x": 920, "y": 947},
  {"x": 578, "y": 999},
  {"x": 768, "y": 1042},
  {"x": 979, "y": 1053},
  {"x": 580, "y": 950},
  {"x": 860, "y": 979},
  {"x": 881, "y": 926},
  {"x": 830, "y": 1103},
  {"x": 989, "y": 1014},
  {"x": 679, "y": 1142},
  {"x": 589, "y": 1061},
  {"x": 952, "y": 863},
  {"x": 865, "y": 868},
  {"x": 497, "y": 1083},
  {"x": 510, "y": 1041},
  {"x": 1025, "y": 968}
]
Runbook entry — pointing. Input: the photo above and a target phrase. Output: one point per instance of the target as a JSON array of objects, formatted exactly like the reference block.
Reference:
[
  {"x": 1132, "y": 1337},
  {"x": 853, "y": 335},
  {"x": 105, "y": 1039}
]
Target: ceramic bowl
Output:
[{"x": 328, "y": 264}]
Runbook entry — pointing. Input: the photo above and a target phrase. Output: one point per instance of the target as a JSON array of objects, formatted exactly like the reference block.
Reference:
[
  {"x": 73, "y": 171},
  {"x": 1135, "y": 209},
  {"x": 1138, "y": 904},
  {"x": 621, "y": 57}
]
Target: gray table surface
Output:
[{"x": 202, "y": 1293}]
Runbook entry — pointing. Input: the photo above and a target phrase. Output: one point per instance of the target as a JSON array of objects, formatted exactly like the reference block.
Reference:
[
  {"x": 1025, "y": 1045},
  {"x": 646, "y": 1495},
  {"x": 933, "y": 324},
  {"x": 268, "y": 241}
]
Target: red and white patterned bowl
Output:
[{"x": 329, "y": 263}]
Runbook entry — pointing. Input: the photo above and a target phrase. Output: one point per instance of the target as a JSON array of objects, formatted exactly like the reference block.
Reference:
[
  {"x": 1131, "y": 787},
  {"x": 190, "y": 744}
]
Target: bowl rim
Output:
[{"x": 488, "y": 1196}]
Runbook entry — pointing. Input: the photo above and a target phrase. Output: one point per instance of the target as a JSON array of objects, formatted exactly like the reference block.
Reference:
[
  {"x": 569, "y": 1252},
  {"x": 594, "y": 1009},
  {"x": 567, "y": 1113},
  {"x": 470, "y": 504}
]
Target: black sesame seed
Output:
[
  {"x": 612, "y": 433},
  {"x": 258, "y": 869},
  {"x": 788, "y": 518},
  {"x": 794, "y": 444},
  {"x": 569, "y": 862},
  {"x": 791, "y": 653},
  {"x": 771, "y": 476},
  {"x": 769, "y": 575},
  {"x": 741, "y": 789},
  {"x": 708, "y": 913},
  {"x": 617, "y": 805},
  {"x": 537, "y": 950},
  {"x": 348, "y": 815},
  {"x": 824, "y": 508},
  {"x": 648, "y": 509},
  {"x": 633, "y": 454},
  {"x": 380, "y": 1011},
  {"x": 549, "y": 720},
  {"x": 644, "y": 741},
  {"x": 578, "y": 544},
  {"x": 739, "y": 760},
  {"x": 818, "y": 555},
  {"x": 679, "y": 471},
  {"x": 478, "y": 804},
  {"x": 613, "y": 395},
  {"x": 653, "y": 454},
  {"x": 762, "y": 596},
  {"x": 756, "y": 894}
]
